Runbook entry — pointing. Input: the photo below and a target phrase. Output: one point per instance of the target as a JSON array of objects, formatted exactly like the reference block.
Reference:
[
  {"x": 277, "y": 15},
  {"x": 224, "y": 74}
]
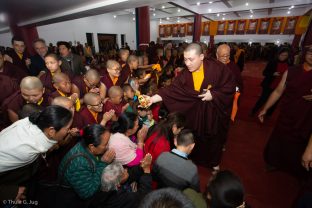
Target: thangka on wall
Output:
[
  {"x": 241, "y": 27},
  {"x": 182, "y": 30},
  {"x": 161, "y": 31},
  {"x": 221, "y": 28},
  {"x": 252, "y": 27},
  {"x": 264, "y": 26},
  {"x": 290, "y": 25},
  {"x": 206, "y": 28},
  {"x": 189, "y": 27},
  {"x": 175, "y": 30},
  {"x": 168, "y": 30},
  {"x": 230, "y": 27},
  {"x": 277, "y": 25}
]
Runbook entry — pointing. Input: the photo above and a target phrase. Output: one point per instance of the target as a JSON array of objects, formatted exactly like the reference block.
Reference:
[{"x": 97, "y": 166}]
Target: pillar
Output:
[
  {"x": 197, "y": 28},
  {"x": 142, "y": 27},
  {"x": 27, "y": 33},
  {"x": 308, "y": 36},
  {"x": 296, "y": 41}
]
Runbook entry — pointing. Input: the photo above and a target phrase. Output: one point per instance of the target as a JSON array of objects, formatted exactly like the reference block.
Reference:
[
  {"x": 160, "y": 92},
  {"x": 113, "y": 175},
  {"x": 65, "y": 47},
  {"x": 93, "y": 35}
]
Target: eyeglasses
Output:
[
  {"x": 91, "y": 85},
  {"x": 97, "y": 105},
  {"x": 225, "y": 56}
]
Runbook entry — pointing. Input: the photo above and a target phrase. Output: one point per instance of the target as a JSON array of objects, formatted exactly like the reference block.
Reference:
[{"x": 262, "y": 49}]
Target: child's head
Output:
[
  {"x": 142, "y": 112},
  {"x": 128, "y": 92},
  {"x": 52, "y": 62},
  {"x": 225, "y": 190},
  {"x": 133, "y": 62},
  {"x": 62, "y": 83},
  {"x": 29, "y": 109},
  {"x": 165, "y": 81},
  {"x": 185, "y": 141},
  {"x": 115, "y": 94},
  {"x": 124, "y": 54}
]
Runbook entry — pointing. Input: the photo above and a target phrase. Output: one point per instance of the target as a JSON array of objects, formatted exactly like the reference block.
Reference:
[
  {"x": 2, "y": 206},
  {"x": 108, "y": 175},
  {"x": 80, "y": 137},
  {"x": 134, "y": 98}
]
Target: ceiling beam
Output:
[
  {"x": 183, "y": 5},
  {"x": 226, "y": 3},
  {"x": 236, "y": 13}
]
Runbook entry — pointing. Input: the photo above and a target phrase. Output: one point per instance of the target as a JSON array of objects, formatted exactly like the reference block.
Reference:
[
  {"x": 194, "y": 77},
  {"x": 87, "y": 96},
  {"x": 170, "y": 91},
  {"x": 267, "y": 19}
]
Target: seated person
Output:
[
  {"x": 63, "y": 86},
  {"x": 225, "y": 190},
  {"x": 161, "y": 136},
  {"x": 31, "y": 91},
  {"x": 90, "y": 82},
  {"x": 114, "y": 176},
  {"x": 173, "y": 169},
  {"x": 91, "y": 113},
  {"x": 127, "y": 152},
  {"x": 130, "y": 97},
  {"x": 145, "y": 117},
  {"x": 53, "y": 64},
  {"x": 114, "y": 102}
]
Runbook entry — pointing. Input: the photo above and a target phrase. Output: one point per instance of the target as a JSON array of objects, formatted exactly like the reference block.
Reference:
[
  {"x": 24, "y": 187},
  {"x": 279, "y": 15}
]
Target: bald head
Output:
[
  {"x": 223, "y": 53},
  {"x": 31, "y": 83},
  {"x": 90, "y": 98},
  {"x": 114, "y": 91},
  {"x": 194, "y": 47},
  {"x": 92, "y": 75},
  {"x": 60, "y": 77},
  {"x": 64, "y": 102}
]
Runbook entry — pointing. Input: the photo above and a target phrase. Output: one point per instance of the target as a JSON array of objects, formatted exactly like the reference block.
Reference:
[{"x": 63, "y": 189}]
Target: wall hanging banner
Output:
[
  {"x": 230, "y": 27},
  {"x": 264, "y": 26},
  {"x": 182, "y": 29},
  {"x": 168, "y": 30},
  {"x": 277, "y": 25},
  {"x": 290, "y": 25},
  {"x": 252, "y": 26},
  {"x": 161, "y": 30},
  {"x": 221, "y": 28},
  {"x": 175, "y": 30},
  {"x": 189, "y": 27},
  {"x": 205, "y": 30},
  {"x": 241, "y": 27}
]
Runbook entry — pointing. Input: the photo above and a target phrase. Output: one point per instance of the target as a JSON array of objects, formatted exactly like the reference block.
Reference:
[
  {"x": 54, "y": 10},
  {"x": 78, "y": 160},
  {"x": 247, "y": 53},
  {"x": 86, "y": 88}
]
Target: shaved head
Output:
[
  {"x": 92, "y": 75},
  {"x": 223, "y": 47},
  {"x": 31, "y": 83},
  {"x": 60, "y": 77},
  {"x": 64, "y": 102},
  {"x": 114, "y": 91},
  {"x": 194, "y": 46},
  {"x": 223, "y": 53},
  {"x": 90, "y": 98}
]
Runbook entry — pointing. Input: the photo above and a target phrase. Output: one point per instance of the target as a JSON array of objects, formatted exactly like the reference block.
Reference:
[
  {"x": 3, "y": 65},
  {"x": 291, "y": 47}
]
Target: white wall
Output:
[
  {"x": 75, "y": 30},
  {"x": 154, "y": 30},
  {"x": 5, "y": 39}
]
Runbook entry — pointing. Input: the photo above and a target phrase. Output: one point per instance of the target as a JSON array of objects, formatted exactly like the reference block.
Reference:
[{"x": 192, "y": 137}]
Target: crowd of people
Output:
[{"x": 128, "y": 128}]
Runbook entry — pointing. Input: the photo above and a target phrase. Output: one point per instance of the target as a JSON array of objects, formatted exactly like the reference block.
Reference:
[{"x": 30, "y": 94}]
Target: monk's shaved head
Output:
[
  {"x": 64, "y": 102},
  {"x": 92, "y": 75},
  {"x": 110, "y": 64},
  {"x": 114, "y": 91},
  {"x": 31, "y": 83},
  {"x": 223, "y": 53},
  {"x": 90, "y": 98},
  {"x": 194, "y": 46},
  {"x": 60, "y": 77},
  {"x": 223, "y": 47}
]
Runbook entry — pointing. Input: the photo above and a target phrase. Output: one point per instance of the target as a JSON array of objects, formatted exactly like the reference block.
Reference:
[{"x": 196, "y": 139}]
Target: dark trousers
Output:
[{"x": 266, "y": 92}]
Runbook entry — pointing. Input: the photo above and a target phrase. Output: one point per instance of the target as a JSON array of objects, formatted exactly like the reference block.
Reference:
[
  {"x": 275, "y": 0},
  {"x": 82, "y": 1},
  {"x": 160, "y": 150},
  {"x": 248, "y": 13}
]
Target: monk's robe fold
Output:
[
  {"x": 209, "y": 119},
  {"x": 87, "y": 118}
]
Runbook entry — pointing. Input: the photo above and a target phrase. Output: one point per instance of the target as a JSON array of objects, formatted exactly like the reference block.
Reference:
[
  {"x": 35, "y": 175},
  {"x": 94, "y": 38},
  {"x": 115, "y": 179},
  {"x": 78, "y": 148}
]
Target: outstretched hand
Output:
[{"x": 261, "y": 116}]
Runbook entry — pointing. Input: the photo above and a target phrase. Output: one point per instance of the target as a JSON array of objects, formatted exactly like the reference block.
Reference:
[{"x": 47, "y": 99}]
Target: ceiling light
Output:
[
  {"x": 251, "y": 16},
  {"x": 209, "y": 10},
  {"x": 246, "y": 4},
  {"x": 223, "y": 18},
  {"x": 163, "y": 7},
  {"x": 218, "y": 15},
  {"x": 133, "y": 18},
  {"x": 3, "y": 17},
  {"x": 251, "y": 11},
  {"x": 133, "y": 12},
  {"x": 115, "y": 16},
  {"x": 210, "y": 2},
  {"x": 292, "y": 6},
  {"x": 198, "y": 3},
  {"x": 154, "y": 14},
  {"x": 288, "y": 12},
  {"x": 178, "y": 21},
  {"x": 179, "y": 10},
  {"x": 168, "y": 18},
  {"x": 223, "y": 14}
]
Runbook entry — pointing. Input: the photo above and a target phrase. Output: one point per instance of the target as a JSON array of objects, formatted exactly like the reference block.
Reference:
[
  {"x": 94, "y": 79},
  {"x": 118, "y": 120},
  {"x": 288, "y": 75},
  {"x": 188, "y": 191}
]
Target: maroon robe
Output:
[
  {"x": 293, "y": 128},
  {"x": 110, "y": 106},
  {"x": 237, "y": 74},
  {"x": 16, "y": 102},
  {"x": 79, "y": 82},
  {"x": 87, "y": 118},
  {"x": 13, "y": 71},
  {"x": 46, "y": 80},
  {"x": 208, "y": 119},
  {"x": 17, "y": 61}
]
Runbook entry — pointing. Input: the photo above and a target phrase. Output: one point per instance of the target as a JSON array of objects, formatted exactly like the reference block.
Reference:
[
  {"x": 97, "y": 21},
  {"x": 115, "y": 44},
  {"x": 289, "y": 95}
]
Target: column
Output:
[
  {"x": 142, "y": 27},
  {"x": 197, "y": 27},
  {"x": 27, "y": 33},
  {"x": 307, "y": 36}
]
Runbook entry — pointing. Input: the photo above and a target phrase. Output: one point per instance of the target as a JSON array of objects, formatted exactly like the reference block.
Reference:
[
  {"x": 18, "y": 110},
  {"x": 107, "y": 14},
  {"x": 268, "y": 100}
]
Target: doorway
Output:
[
  {"x": 90, "y": 39},
  {"x": 123, "y": 40},
  {"x": 106, "y": 41}
]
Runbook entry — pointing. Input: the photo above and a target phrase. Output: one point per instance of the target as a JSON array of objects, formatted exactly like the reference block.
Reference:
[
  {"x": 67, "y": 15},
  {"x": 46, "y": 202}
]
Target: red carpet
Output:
[{"x": 243, "y": 155}]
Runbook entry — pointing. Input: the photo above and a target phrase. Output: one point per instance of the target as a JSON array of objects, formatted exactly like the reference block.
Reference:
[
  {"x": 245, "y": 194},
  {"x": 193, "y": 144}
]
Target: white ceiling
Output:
[{"x": 41, "y": 12}]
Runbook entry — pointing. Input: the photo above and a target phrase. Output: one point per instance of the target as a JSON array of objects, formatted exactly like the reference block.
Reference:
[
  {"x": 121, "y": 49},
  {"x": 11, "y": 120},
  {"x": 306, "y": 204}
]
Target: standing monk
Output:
[
  {"x": 290, "y": 144},
  {"x": 204, "y": 94}
]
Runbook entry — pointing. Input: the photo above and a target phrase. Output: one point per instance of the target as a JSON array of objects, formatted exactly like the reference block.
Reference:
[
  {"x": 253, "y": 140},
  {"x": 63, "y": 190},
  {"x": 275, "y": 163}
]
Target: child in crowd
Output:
[
  {"x": 130, "y": 97},
  {"x": 115, "y": 102},
  {"x": 145, "y": 117}
]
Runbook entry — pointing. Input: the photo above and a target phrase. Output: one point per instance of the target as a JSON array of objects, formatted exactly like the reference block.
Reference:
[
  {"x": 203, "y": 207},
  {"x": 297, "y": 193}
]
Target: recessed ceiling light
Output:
[
  {"x": 292, "y": 6},
  {"x": 210, "y": 2},
  {"x": 178, "y": 21},
  {"x": 133, "y": 18},
  {"x": 209, "y": 10},
  {"x": 218, "y": 15},
  {"x": 179, "y": 10},
  {"x": 198, "y": 3},
  {"x": 163, "y": 7},
  {"x": 115, "y": 16},
  {"x": 223, "y": 14},
  {"x": 246, "y": 4},
  {"x": 251, "y": 16},
  {"x": 288, "y": 12},
  {"x": 133, "y": 12},
  {"x": 168, "y": 18},
  {"x": 223, "y": 18},
  {"x": 154, "y": 14}
]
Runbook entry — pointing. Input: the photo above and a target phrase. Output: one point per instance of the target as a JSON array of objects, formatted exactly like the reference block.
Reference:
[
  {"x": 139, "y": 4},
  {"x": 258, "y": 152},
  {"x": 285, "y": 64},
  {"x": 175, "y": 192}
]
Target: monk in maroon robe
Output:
[
  {"x": 111, "y": 78},
  {"x": 290, "y": 145},
  {"x": 31, "y": 91},
  {"x": 204, "y": 93},
  {"x": 10, "y": 70}
]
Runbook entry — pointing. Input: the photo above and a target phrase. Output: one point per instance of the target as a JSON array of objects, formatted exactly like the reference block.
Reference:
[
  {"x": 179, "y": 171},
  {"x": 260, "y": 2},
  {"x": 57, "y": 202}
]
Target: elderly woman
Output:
[
  {"x": 82, "y": 166},
  {"x": 127, "y": 152},
  {"x": 114, "y": 175},
  {"x": 23, "y": 142}
]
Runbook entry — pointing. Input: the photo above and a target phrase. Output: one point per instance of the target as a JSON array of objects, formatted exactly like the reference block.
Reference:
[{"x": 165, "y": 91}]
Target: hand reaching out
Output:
[
  {"x": 307, "y": 160},
  {"x": 146, "y": 163},
  {"x": 142, "y": 134},
  {"x": 261, "y": 116}
]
